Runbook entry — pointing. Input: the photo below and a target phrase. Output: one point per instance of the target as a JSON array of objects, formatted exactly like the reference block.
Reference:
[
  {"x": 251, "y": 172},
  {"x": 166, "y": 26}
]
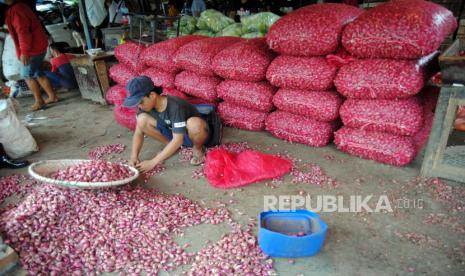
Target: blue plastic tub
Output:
[{"x": 275, "y": 235}]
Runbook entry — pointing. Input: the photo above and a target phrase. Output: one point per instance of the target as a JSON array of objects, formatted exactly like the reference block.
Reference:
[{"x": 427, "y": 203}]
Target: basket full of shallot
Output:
[{"x": 87, "y": 174}]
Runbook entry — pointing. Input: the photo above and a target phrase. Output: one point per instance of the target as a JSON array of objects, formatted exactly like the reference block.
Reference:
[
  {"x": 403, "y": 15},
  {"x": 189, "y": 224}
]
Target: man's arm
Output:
[
  {"x": 166, "y": 153},
  {"x": 137, "y": 142}
]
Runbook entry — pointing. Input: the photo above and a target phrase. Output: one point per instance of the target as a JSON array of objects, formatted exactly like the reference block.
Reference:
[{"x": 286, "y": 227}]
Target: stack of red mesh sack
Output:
[
  {"x": 197, "y": 78},
  {"x": 130, "y": 66},
  {"x": 384, "y": 118},
  {"x": 123, "y": 116},
  {"x": 248, "y": 97},
  {"x": 308, "y": 105},
  {"x": 159, "y": 60}
]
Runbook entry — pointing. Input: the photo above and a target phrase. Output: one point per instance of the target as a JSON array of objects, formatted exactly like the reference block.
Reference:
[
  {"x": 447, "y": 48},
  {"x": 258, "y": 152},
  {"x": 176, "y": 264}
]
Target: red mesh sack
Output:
[
  {"x": 421, "y": 137},
  {"x": 197, "y": 56},
  {"x": 313, "y": 73},
  {"x": 160, "y": 77},
  {"x": 241, "y": 117},
  {"x": 128, "y": 54},
  {"x": 319, "y": 105},
  {"x": 403, "y": 29},
  {"x": 254, "y": 95},
  {"x": 378, "y": 146},
  {"x": 245, "y": 61},
  {"x": 196, "y": 85},
  {"x": 225, "y": 169},
  {"x": 175, "y": 92},
  {"x": 314, "y": 30},
  {"x": 381, "y": 78},
  {"x": 161, "y": 54},
  {"x": 121, "y": 74},
  {"x": 126, "y": 117},
  {"x": 400, "y": 117},
  {"x": 195, "y": 100},
  {"x": 116, "y": 94},
  {"x": 299, "y": 129}
]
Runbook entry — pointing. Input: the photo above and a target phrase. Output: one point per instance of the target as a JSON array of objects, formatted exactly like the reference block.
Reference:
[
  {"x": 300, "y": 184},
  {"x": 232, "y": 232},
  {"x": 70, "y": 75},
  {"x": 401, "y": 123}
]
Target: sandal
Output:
[
  {"x": 37, "y": 106},
  {"x": 49, "y": 101},
  {"x": 198, "y": 159}
]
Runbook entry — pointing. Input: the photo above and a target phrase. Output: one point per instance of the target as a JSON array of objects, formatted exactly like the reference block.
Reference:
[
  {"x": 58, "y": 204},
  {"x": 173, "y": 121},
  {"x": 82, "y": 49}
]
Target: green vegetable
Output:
[
  {"x": 232, "y": 30},
  {"x": 187, "y": 24},
  {"x": 253, "y": 35},
  {"x": 213, "y": 20},
  {"x": 259, "y": 22},
  {"x": 205, "y": 33}
]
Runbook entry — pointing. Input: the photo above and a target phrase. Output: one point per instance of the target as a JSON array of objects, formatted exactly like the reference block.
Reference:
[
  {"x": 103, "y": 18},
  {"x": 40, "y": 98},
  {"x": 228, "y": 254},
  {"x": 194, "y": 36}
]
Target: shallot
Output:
[{"x": 93, "y": 171}]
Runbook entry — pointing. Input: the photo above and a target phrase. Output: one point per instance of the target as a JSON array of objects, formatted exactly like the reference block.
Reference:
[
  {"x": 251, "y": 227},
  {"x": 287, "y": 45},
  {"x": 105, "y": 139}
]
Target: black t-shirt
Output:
[{"x": 175, "y": 115}]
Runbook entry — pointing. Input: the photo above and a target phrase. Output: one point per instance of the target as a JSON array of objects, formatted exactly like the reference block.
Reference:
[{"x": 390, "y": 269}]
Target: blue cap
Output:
[{"x": 138, "y": 88}]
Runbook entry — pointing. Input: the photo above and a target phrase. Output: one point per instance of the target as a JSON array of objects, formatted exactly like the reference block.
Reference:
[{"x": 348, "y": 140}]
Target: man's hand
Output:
[
  {"x": 134, "y": 161},
  {"x": 146, "y": 165},
  {"x": 25, "y": 59}
]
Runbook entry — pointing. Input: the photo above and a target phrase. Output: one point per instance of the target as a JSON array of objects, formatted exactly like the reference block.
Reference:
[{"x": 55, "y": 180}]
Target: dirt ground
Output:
[{"x": 427, "y": 239}]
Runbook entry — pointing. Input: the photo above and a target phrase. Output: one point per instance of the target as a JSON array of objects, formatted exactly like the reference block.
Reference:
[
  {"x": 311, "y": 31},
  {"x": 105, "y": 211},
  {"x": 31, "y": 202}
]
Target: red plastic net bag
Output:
[
  {"x": 254, "y": 95},
  {"x": 382, "y": 78},
  {"x": 245, "y": 61},
  {"x": 378, "y": 146},
  {"x": 400, "y": 117},
  {"x": 116, "y": 94},
  {"x": 314, "y": 30},
  {"x": 176, "y": 93},
  {"x": 196, "y": 85},
  {"x": 126, "y": 117},
  {"x": 399, "y": 29},
  {"x": 121, "y": 74},
  {"x": 129, "y": 53},
  {"x": 225, "y": 169},
  {"x": 160, "y": 77},
  {"x": 241, "y": 117},
  {"x": 299, "y": 129},
  {"x": 313, "y": 73},
  {"x": 195, "y": 100},
  {"x": 319, "y": 105},
  {"x": 421, "y": 137},
  {"x": 197, "y": 56},
  {"x": 161, "y": 54}
]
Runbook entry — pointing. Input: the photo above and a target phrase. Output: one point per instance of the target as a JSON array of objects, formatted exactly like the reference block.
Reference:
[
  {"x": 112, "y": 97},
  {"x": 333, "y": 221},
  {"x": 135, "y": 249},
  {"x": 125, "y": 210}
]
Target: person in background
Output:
[
  {"x": 78, "y": 32},
  {"x": 8, "y": 163},
  {"x": 211, "y": 4},
  {"x": 198, "y": 6},
  {"x": 242, "y": 7},
  {"x": 114, "y": 15},
  {"x": 31, "y": 45},
  {"x": 172, "y": 10},
  {"x": 61, "y": 75}
]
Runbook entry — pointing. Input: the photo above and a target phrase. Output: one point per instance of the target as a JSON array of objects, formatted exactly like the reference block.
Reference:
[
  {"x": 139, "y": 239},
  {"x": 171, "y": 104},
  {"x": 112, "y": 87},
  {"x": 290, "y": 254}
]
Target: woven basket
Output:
[{"x": 42, "y": 169}]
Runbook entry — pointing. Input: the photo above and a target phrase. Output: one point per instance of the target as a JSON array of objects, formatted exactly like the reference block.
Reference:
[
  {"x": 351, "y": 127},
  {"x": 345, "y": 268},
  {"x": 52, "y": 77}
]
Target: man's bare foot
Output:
[
  {"x": 199, "y": 157},
  {"x": 51, "y": 100},
  {"x": 37, "y": 106}
]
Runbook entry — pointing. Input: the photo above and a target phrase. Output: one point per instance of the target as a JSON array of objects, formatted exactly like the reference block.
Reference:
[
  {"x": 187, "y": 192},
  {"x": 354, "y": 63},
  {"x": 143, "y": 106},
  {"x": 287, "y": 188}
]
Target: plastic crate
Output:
[{"x": 112, "y": 36}]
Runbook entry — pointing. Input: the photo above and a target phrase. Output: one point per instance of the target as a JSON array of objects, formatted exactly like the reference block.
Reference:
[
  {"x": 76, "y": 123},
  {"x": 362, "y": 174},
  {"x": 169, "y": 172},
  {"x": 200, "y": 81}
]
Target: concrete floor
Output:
[{"x": 398, "y": 243}]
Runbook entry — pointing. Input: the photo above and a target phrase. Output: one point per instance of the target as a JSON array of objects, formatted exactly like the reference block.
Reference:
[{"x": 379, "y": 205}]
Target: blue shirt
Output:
[{"x": 198, "y": 6}]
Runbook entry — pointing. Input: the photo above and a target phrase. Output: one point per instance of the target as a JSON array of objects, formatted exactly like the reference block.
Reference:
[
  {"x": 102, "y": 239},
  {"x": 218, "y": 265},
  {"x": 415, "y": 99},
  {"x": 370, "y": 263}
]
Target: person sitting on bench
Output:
[{"x": 170, "y": 120}]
